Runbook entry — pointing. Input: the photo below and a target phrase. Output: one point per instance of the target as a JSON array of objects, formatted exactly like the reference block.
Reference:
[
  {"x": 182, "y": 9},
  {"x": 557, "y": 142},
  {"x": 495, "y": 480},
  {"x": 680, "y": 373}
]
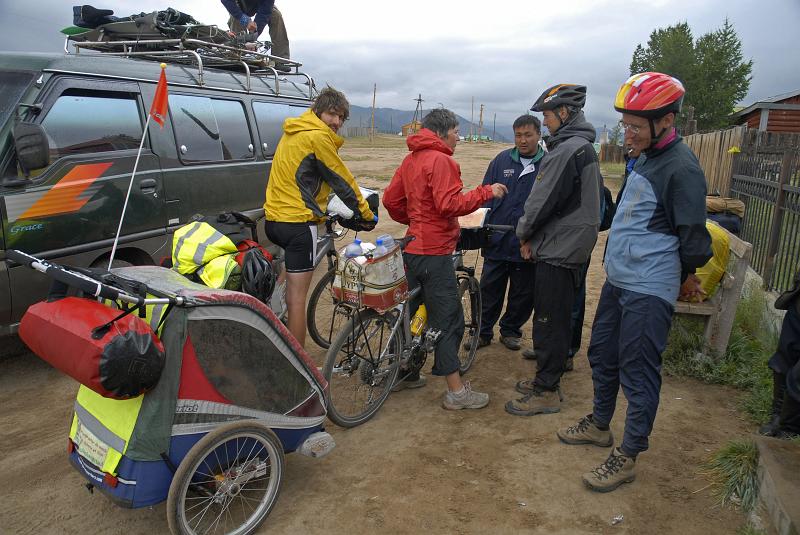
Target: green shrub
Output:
[{"x": 732, "y": 471}]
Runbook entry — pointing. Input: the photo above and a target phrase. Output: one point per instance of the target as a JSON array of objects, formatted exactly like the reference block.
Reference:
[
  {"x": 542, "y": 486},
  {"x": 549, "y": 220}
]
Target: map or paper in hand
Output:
[{"x": 473, "y": 220}]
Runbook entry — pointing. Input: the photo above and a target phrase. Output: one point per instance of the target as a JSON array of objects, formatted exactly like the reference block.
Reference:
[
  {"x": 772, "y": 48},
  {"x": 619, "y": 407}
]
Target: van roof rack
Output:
[{"x": 201, "y": 53}]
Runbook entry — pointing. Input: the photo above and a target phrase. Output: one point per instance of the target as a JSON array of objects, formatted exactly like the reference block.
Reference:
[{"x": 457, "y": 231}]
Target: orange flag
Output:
[{"x": 158, "y": 110}]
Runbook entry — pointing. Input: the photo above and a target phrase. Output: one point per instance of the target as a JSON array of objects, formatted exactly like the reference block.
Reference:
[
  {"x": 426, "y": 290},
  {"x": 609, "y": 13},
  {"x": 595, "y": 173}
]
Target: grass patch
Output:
[
  {"x": 750, "y": 529},
  {"x": 744, "y": 364},
  {"x": 612, "y": 170},
  {"x": 732, "y": 471}
]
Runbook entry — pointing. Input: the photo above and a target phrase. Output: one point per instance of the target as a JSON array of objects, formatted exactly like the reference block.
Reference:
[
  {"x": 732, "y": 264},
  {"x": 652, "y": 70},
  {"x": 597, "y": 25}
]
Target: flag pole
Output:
[
  {"x": 158, "y": 110},
  {"x": 128, "y": 195}
]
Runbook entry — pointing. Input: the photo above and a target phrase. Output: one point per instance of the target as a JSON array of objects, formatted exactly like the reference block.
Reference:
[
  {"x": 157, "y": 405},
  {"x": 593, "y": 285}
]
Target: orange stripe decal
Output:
[{"x": 65, "y": 196}]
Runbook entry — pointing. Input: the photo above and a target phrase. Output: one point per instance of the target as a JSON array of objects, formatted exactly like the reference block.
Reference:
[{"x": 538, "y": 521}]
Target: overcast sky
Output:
[{"x": 503, "y": 53}]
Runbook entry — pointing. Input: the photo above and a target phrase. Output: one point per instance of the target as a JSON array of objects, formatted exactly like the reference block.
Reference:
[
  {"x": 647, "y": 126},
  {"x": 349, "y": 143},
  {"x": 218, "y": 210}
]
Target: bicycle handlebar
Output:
[{"x": 500, "y": 228}]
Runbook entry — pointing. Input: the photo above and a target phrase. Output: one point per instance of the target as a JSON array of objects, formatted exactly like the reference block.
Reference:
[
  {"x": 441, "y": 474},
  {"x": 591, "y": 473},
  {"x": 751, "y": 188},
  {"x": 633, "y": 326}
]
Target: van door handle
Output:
[{"x": 148, "y": 185}]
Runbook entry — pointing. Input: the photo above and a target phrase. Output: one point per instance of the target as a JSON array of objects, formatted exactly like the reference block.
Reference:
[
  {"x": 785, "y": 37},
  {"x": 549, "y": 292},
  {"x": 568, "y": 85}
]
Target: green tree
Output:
[{"x": 712, "y": 68}]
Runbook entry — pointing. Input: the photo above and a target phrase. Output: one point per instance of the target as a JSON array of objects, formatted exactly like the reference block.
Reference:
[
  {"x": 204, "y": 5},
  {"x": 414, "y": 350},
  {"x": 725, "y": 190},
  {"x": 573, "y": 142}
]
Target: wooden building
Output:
[
  {"x": 780, "y": 113},
  {"x": 411, "y": 128}
]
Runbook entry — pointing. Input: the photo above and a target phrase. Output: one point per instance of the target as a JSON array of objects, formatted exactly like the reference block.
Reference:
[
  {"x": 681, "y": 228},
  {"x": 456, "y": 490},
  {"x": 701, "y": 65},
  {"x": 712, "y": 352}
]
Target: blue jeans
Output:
[{"x": 629, "y": 335}]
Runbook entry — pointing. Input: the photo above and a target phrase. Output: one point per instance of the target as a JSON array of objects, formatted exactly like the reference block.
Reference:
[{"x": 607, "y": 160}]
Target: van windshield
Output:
[{"x": 12, "y": 87}]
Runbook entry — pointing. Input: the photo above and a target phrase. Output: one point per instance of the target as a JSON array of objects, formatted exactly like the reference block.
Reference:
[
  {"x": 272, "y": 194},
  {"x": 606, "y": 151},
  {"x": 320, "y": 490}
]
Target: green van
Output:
[{"x": 70, "y": 128}]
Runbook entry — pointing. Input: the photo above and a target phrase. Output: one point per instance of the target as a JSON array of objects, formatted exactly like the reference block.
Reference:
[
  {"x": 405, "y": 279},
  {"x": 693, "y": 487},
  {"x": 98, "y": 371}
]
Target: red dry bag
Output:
[{"x": 120, "y": 361}]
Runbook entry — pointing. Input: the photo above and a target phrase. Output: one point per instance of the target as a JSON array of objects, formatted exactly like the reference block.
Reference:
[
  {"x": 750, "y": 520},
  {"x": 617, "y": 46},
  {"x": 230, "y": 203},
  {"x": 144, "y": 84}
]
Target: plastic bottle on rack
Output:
[
  {"x": 354, "y": 249},
  {"x": 387, "y": 240},
  {"x": 380, "y": 249},
  {"x": 419, "y": 320}
]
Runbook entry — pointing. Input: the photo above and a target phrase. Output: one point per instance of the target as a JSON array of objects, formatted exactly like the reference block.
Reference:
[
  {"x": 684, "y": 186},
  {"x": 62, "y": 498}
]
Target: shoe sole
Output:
[
  {"x": 577, "y": 442},
  {"x": 526, "y": 357},
  {"x": 590, "y": 486},
  {"x": 404, "y": 385},
  {"x": 510, "y": 409},
  {"x": 459, "y": 407}
]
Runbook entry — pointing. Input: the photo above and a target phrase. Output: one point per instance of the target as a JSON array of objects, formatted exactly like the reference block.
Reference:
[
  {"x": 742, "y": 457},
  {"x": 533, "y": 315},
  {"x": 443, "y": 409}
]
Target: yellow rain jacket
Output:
[{"x": 305, "y": 169}]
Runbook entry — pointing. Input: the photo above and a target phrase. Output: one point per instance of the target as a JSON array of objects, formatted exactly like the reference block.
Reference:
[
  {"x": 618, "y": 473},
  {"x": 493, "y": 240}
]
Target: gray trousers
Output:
[{"x": 277, "y": 33}]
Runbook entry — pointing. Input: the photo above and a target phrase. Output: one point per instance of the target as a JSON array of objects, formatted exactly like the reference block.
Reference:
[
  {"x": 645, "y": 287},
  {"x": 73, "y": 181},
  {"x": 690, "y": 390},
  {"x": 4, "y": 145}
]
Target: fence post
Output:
[{"x": 777, "y": 219}]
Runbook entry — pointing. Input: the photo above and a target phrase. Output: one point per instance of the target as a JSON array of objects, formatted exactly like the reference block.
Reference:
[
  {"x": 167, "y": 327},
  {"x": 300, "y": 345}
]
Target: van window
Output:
[
  {"x": 209, "y": 129},
  {"x": 83, "y": 121},
  {"x": 269, "y": 118}
]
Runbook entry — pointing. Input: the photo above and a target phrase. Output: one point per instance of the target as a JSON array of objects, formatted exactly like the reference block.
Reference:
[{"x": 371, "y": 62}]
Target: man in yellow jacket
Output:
[{"x": 305, "y": 169}]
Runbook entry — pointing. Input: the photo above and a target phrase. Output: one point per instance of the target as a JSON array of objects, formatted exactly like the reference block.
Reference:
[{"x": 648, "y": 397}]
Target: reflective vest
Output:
[
  {"x": 102, "y": 427},
  {"x": 200, "y": 248}
]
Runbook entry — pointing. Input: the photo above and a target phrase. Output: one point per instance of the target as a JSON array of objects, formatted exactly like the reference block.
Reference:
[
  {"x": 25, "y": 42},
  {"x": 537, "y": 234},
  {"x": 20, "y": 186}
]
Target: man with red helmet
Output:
[
  {"x": 558, "y": 230},
  {"x": 657, "y": 240}
]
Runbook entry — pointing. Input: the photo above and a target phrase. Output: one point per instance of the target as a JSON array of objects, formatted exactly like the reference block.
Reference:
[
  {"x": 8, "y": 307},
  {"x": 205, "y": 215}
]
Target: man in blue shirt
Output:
[
  {"x": 253, "y": 16},
  {"x": 503, "y": 266}
]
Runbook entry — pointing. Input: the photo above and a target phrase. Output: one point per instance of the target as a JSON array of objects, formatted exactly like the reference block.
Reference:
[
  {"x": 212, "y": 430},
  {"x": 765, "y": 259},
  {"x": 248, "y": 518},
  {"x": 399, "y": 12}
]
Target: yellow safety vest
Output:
[{"x": 199, "y": 247}]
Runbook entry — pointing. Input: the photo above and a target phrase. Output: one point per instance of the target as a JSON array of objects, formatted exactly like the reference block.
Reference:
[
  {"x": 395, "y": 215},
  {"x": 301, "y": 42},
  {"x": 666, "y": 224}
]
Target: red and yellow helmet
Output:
[{"x": 650, "y": 95}]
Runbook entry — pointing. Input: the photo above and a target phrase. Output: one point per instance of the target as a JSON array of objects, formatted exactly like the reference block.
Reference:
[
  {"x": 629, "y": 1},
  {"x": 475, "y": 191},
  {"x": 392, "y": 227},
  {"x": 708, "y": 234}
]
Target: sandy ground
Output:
[{"x": 415, "y": 467}]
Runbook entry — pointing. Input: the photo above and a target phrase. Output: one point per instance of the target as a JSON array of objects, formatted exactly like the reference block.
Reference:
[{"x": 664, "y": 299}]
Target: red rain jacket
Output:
[{"x": 425, "y": 194}]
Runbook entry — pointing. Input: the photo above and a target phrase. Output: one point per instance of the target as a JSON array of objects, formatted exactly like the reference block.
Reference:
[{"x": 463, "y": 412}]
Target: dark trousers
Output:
[
  {"x": 578, "y": 313},
  {"x": 786, "y": 360},
  {"x": 553, "y": 296},
  {"x": 495, "y": 277},
  {"x": 437, "y": 276},
  {"x": 629, "y": 335}
]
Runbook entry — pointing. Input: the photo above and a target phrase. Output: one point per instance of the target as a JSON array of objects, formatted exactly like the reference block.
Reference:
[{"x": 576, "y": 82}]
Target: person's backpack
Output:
[{"x": 607, "y": 209}]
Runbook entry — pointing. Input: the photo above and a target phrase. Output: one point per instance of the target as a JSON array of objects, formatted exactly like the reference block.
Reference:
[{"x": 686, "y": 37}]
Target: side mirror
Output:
[{"x": 33, "y": 149}]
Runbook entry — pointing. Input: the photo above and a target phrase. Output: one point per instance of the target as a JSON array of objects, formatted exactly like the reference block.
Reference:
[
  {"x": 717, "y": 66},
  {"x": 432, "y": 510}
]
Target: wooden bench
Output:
[{"x": 719, "y": 311}]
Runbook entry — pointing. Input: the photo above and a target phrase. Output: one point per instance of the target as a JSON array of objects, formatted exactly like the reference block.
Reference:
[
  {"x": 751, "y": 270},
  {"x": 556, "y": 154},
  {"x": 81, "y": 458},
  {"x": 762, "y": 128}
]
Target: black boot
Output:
[
  {"x": 778, "y": 391},
  {"x": 789, "y": 424}
]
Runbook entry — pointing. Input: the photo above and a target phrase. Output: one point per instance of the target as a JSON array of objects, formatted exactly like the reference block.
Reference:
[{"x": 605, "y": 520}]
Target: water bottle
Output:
[
  {"x": 380, "y": 250},
  {"x": 419, "y": 321},
  {"x": 387, "y": 240},
  {"x": 354, "y": 249}
]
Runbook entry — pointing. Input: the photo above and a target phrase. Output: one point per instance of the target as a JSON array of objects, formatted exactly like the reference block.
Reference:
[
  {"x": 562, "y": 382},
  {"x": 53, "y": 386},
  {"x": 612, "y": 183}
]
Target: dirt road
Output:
[{"x": 415, "y": 467}]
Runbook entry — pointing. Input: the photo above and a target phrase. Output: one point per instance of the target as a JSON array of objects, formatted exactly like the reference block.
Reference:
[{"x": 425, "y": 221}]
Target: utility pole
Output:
[
  {"x": 480, "y": 124},
  {"x": 472, "y": 120},
  {"x": 372, "y": 129},
  {"x": 494, "y": 128}
]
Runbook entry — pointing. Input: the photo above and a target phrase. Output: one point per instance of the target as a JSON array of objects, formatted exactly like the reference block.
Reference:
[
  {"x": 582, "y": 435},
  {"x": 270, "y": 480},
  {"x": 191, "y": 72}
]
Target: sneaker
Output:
[
  {"x": 586, "y": 432},
  {"x": 467, "y": 399},
  {"x": 569, "y": 365},
  {"x": 613, "y": 472},
  {"x": 511, "y": 342},
  {"x": 536, "y": 402},
  {"x": 482, "y": 342},
  {"x": 529, "y": 353},
  {"x": 409, "y": 383}
]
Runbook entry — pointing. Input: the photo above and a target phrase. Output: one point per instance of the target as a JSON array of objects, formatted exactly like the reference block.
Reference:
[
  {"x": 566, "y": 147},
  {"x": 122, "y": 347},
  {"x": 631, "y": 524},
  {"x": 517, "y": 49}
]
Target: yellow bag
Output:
[{"x": 711, "y": 273}]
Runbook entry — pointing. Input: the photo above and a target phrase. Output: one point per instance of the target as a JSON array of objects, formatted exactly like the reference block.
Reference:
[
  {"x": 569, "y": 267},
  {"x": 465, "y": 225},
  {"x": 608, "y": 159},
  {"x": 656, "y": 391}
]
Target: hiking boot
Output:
[
  {"x": 467, "y": 399},
  {"x": 524, "y": 386},
  {"x": 410, "y": 382},
  {"x": 511, "y": 342},
  {"x": 535, "y": 402},
  {"x": 586, "y": 432},
  {"x": 569, "y": 365},
  {"x": 613, "y": 472},
  {"x": 482, "y": 342},
  {"x": 529, "y": 353}
]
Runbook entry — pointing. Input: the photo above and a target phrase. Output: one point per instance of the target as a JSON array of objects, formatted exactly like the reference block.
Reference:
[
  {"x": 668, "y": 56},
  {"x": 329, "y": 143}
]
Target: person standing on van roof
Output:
[
  {"x": 253, "y": 16},
  {"x": 503, "y": 266},
  {"x": 425, "y": 194},
  {"x": 305, "y": 169},
  {"x": 558, "y": 231}
]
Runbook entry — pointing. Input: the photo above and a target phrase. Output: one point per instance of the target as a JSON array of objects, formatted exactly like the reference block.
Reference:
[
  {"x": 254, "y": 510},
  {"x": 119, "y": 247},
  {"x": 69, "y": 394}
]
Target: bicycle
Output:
[{"x": 364, "y": 361}]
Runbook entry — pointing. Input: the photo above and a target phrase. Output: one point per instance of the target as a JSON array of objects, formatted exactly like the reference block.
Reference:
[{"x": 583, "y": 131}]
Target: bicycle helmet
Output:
[
  {"x": 650, "y": 95},
  {"x": 258, "y": 276},
  {"x": 561, "y": 95}
]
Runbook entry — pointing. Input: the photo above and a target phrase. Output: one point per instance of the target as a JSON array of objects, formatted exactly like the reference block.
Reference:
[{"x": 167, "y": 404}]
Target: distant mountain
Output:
[{"x": 390, "y": 120}]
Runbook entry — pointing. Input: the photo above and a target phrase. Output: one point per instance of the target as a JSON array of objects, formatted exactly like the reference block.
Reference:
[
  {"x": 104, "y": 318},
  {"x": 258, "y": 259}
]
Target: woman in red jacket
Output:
[{"x": 425, "y": 194}]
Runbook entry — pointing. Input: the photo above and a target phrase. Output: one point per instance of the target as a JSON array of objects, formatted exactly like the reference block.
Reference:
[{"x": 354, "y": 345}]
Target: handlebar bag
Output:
[{"x": 120, "y": 362}]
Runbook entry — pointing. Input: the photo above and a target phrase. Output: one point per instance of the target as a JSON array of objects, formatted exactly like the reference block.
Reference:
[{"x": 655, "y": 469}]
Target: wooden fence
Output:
[{"x": 716, "y": 150}]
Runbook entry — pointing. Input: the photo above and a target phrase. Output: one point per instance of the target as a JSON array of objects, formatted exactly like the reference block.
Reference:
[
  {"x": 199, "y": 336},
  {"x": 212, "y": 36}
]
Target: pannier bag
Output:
[
  {"x": 379, "y": 283},
  {"x": 121, "y": 361}
]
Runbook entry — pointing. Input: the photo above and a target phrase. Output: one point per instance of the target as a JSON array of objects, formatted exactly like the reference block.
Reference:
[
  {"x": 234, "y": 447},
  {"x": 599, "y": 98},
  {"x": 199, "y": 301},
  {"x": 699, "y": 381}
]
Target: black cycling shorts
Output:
[{"x": 298, "y": 240}]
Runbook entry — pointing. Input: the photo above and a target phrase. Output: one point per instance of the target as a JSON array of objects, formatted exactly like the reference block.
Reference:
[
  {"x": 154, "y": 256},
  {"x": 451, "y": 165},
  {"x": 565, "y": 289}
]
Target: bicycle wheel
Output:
[
  {"x": 361, "y": 367},
  {"x": 469, "y": 291},
  {"x": 228, "y": 482},
  {"x": 324, "y": 318}
]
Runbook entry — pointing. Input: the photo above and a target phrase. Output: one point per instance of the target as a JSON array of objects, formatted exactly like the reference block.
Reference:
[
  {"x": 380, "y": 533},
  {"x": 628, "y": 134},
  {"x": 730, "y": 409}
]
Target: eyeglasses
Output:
[{"x": 633, "y": 128}]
